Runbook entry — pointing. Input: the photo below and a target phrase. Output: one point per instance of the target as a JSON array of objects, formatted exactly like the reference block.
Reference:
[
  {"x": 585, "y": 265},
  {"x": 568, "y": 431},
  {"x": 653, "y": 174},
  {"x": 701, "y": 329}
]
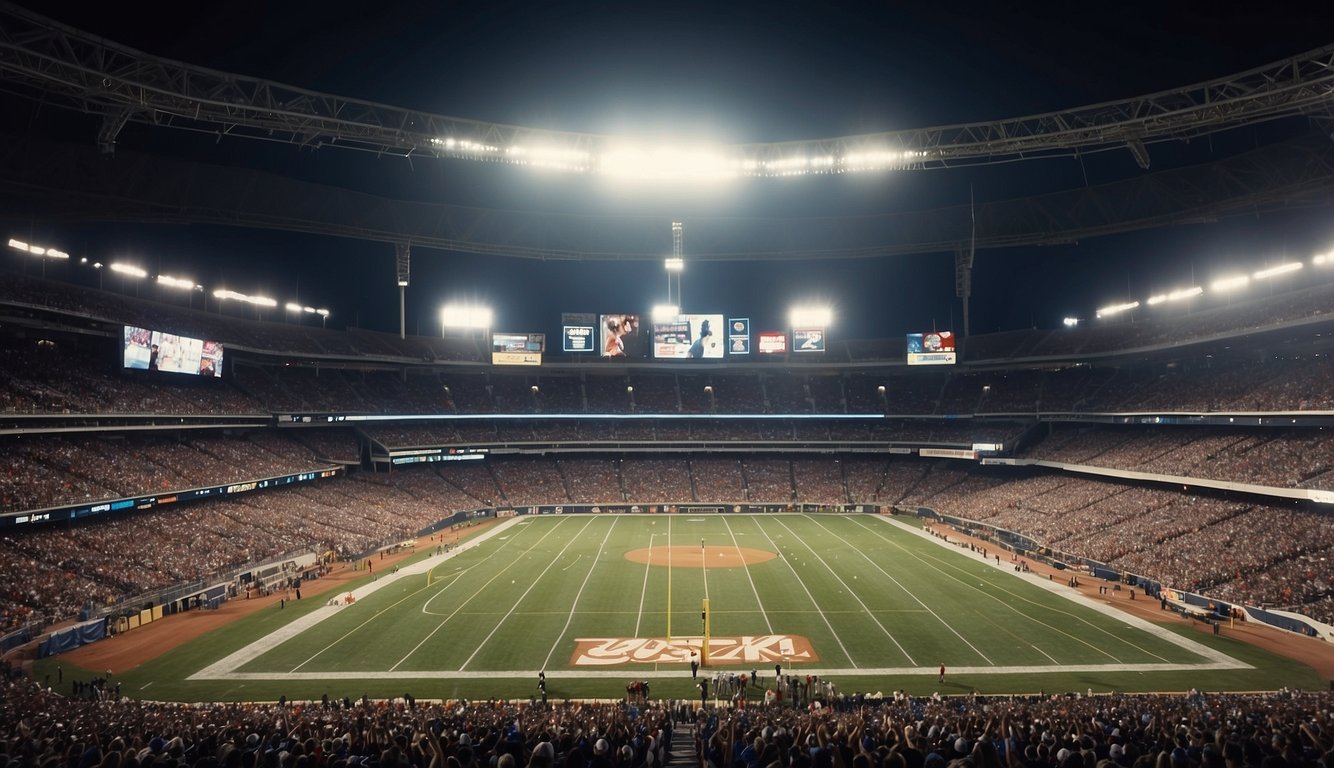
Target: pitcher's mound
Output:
[{"x": 695, "y": 557}]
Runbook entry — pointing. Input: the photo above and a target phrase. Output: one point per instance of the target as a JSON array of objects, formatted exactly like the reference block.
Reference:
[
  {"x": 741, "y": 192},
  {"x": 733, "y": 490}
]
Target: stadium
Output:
[{"x": 308, "y": 461}]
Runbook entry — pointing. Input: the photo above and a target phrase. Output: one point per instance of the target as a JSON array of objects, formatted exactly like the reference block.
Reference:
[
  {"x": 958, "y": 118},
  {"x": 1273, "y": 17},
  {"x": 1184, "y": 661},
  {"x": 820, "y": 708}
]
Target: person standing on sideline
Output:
[
  {"x": 694, "y": 665},
  {"x": 942, "y": 671}
]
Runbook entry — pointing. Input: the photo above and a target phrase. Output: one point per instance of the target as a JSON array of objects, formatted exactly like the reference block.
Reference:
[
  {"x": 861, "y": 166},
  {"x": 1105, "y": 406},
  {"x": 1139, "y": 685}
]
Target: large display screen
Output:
[
  {"x": 619, "y": 336},
  {"x": 738, "y": 336},
  {"x": 933, "y": 348},
  {"x": 517, "y": 348},
  {"x": 151, "y": 350},
  {"x": 807, "y": 339},
  {"x": 771, "y": 342},
  {"x": 690, "y": 337},
  {"x": 578, "y": 338}
]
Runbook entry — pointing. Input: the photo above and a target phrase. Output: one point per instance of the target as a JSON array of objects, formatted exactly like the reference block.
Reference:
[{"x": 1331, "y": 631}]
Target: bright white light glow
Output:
[
  {"x": 259, "y": 301},
  {"x": 1320, "y": 258},
  {"x": 308, "y": 310},
  {"x": 128, "y": 269},
  {"x": 665, "y": 313},
  {"x": 19, "y": 244},
  {"x": 458, "y": 316},
  {"x": 322, "y": 312},
  {"x": 1229, "y": 283},
  {"x": 292, "y": 306},
  {"x": 402, "y": 283},
  {"x": 1281, "y": 269},
  {"x": 176, "y": 282},
  {"x": 1154, "y": 301},
  {"x": 811, "y": 317},
  {"x": 667, "y": 163},
  {"x": 1116, "y": 309},
  {"x": 1070, "y": 322},
  {"x": 675, "y": 265}
]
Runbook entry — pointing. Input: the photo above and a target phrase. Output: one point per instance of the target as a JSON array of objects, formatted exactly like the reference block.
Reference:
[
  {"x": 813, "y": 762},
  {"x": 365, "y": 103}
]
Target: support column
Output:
[{"x": 402, "y": 264}]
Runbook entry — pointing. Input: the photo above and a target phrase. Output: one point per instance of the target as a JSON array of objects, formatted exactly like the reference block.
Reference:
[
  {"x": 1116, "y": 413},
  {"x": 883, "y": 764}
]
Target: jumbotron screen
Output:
[
  {"x": 150, "y": 350},
  {"x": 932, "y": 348},
  {"x": 517, "y": 348},
  {"x": 619, "y": 336},
  {"x": 690, "y": 337}
]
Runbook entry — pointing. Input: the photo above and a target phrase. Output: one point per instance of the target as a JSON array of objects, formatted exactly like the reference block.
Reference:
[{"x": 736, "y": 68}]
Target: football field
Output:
[{"x": 591, "y": 597}]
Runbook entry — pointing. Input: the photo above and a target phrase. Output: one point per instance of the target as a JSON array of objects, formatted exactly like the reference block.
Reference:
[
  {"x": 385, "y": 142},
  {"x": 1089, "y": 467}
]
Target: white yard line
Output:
[
  {"x": 531, "y": 586},
  {"x": 643, "y": 590},
  {"x": 834, "y": 633},
  {"x": 574, "y": 605},
  {"x": 750, "y": 578},
  {"x": 226, "y": 668}
]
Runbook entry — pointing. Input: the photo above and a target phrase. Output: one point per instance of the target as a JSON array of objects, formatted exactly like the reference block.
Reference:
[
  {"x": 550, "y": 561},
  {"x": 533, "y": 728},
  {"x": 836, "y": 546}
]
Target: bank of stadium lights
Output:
[
  {"x": 674, "y": 264},
  {"x": 1180, "y": 294},
  {"x": 1231, "y": 283},
  {"x": 465, "y": 316},
  {"x": 128, "y": 270},
  {"x": 182, "y": 283},
  {"x": 1116, "y": 309},
  {"x": 1281, "y": 269},
  {"x": 811, "y": 317},
  {"x": 223, "y": 294},
  {"x": 38, "y": 250},
  {"x": 667, "y": 162},
  {"x": 1070, "y": 322},
  {"x": 665, "y": 313}
]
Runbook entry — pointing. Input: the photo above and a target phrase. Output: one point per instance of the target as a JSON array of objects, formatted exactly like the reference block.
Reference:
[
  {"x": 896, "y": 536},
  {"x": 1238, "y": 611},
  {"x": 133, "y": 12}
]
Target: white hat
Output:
[
  {"x": 1062, "y": 755},
  {"x": 1116, "y": 751},
  {"x": 601, "y": 747}
]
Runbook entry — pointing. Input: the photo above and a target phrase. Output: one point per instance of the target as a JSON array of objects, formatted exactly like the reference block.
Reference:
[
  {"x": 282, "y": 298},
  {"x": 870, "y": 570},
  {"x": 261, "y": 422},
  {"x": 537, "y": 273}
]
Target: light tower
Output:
[
  {"x": 675, "y": 265},
  {"x": 402, "y": 268}
]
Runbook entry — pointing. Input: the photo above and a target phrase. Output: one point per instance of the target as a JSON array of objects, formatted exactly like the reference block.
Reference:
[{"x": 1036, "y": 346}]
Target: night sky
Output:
[{"x": 721, "y": 72}]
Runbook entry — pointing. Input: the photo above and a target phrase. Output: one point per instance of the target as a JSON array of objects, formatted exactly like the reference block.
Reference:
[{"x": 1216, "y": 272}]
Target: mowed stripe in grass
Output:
[{"x": 866, "y": 594}]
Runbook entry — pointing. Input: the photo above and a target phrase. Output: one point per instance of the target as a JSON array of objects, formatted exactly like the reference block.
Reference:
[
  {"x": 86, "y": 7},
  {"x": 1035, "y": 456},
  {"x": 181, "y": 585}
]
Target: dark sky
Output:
[{"x": 719, "y": 71}]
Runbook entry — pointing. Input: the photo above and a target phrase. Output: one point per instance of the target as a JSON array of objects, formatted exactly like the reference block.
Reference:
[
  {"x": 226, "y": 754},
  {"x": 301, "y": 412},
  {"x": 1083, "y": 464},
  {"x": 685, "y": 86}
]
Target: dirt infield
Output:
[
  {"x": 699, "y": 557},
  {"x": 128, "y": 650},
  {"x": 1308, "y": 650}
]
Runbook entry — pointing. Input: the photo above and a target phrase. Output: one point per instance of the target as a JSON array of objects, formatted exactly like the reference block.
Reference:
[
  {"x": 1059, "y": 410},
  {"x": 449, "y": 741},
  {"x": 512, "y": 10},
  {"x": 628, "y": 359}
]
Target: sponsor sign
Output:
[
  {"x": 578, "y": 338},
  {"x": 932, "y": 348},
  {"x": 746, "y": 649},
  {"x": 807, "y": 339},
  {"x": 738, "y": 336},
  {"x": 772, "y": 342}
]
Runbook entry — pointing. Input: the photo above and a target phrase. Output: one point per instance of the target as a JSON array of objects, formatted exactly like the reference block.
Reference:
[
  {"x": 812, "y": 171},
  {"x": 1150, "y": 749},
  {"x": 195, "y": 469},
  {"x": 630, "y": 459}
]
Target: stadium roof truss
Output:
[{"x": 99, "y": 77}]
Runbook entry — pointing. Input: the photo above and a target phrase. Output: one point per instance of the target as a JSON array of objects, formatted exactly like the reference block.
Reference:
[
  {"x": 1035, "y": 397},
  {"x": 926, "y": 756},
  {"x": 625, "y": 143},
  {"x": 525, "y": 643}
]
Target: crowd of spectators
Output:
[
  {"x": 1250, "y": 551},
  {"x": 40, "y": 726}
]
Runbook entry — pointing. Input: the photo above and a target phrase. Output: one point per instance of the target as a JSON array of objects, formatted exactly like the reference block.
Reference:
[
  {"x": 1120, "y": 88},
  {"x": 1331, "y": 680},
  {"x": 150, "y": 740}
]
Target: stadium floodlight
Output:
[
  {"x": 1321, "y": 259},
  {"x": 128, "y": 270},
  {"x": 667, "y": 163},
  {"x": 322, "y": 312},
  {"x": 665, "y": 313},
  {"x": 1177, "y": 295},
  {"x": 465, "y": 316},
  {"x": 1232, "y": 283},
  {"x": 1116, "y": 309},
  {"x": 1156, "y": 299},
  {"x": 811, "y": 317},
  {"x": 1281, "y": 269},
  {"x": 176, "y": 282},
  {"x": 18, "y": 244},
  {"x": 674, "y": 264},
  {"x": 1070, "y": 322},
  {"x": 292, "y": 306}
]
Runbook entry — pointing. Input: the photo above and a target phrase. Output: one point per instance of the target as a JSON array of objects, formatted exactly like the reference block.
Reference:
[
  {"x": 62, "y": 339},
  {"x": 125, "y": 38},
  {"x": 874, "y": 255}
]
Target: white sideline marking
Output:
[{"x": 226, "y": 668}]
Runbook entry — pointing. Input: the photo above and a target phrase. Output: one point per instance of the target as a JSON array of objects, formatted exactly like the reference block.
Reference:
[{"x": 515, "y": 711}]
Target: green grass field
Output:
[{"x": 881, "y": 605}]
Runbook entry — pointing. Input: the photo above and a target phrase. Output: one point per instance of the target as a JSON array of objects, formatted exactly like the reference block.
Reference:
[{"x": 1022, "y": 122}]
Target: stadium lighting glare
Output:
[
  {"x": 668, "y": 164},
  {"x": 665, "y": 313},
  {"x": 176, "y": 282},
  {"x": 1070, "y": 322},
  {"x": 37, "y": 250},
  {"x": 292, "y": 306},
  {"x": 1177, "y": 295},
  {"x": 322, "y": 312},
  {"x": 675, "y": 265},
  {"x": 1232, "y": 283},
  {"x": 1320, "y": 259},
  {"x": 223, "y": 294},
  {"x": 461, "y": 316},
  {"x": 128, "y": 270},
  {"x": 811, "y": 317},
  {"x": 1116, "y": 309},
  {"x": 1281, "y": 269}
]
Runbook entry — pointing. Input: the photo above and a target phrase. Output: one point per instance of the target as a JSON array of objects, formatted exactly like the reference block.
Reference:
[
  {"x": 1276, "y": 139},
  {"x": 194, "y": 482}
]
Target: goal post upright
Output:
[{"x": 704, "y": 648}]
